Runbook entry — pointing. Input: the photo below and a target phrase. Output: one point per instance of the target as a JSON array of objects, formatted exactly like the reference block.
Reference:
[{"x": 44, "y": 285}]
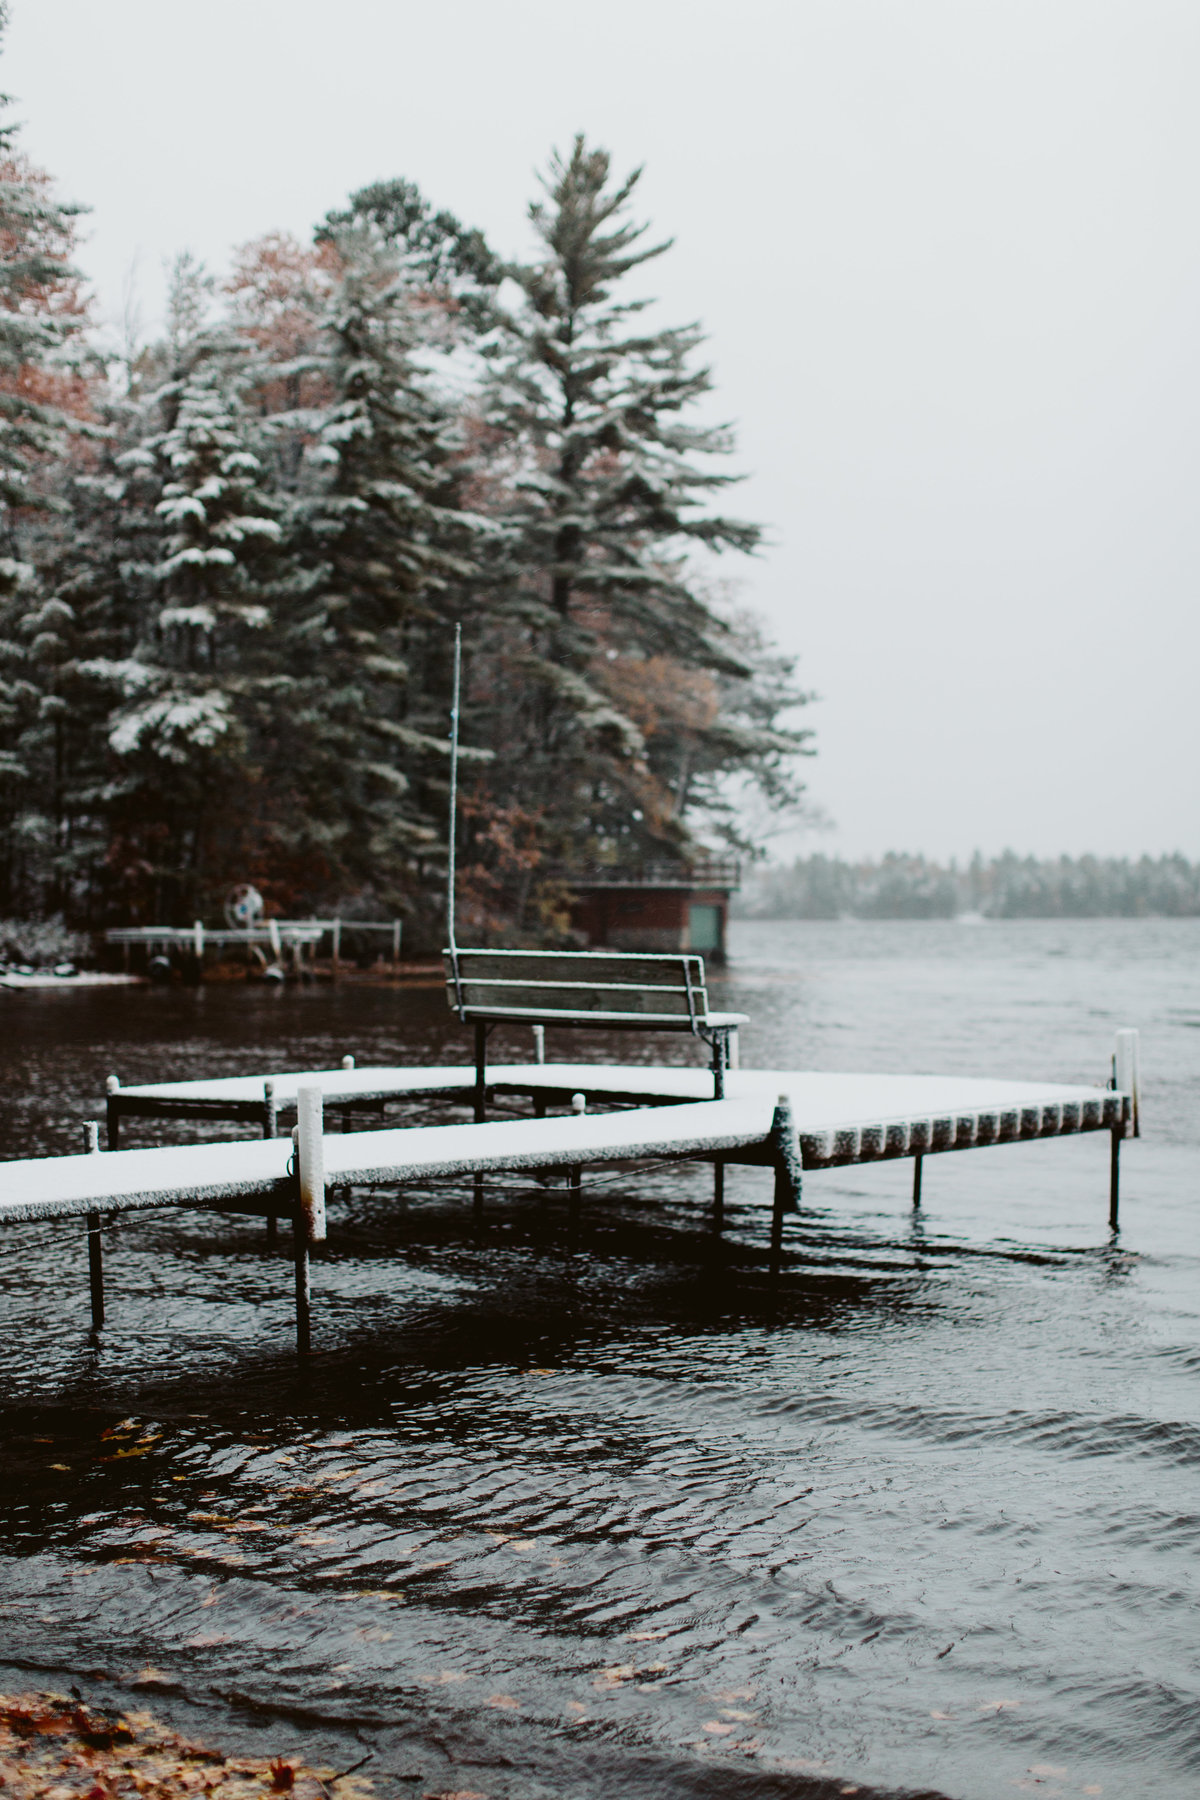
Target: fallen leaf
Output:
[
  {"x": 998, "y": 1705},
  {"x": 205, "y": 1640},
  {"x": 717, "y": 1727},
  {"x": 505, "y": 1702},
  {"x": 644, "y": 1637}
]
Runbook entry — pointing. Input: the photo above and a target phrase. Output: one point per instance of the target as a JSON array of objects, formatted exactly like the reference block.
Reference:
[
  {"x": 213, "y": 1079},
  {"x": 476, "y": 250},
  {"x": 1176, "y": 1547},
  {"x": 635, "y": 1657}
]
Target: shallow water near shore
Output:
[{"x": 922, "y": 1517}]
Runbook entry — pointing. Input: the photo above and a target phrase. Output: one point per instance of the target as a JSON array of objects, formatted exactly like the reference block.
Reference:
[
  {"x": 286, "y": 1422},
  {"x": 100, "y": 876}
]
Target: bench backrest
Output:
[{"x": 590, "y": 987}]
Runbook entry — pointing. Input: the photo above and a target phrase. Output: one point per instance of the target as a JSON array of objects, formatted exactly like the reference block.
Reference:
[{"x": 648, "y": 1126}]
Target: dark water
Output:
[{"x": 925, "y": 1517}]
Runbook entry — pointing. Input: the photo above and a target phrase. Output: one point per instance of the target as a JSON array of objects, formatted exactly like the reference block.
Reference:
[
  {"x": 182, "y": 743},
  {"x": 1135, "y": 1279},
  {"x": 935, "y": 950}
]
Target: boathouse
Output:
[{"x": 654, "y": 906}]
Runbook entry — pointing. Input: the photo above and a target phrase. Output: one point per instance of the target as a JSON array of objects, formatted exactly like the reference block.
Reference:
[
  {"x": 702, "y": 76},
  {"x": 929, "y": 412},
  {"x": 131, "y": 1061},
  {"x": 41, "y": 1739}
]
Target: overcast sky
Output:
[{"x": 947, "y": 253}]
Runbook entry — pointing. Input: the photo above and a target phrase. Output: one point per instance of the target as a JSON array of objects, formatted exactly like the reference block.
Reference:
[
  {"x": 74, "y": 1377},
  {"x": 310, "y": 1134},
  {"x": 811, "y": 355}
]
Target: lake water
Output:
[{"x": 923, "y": 1517}]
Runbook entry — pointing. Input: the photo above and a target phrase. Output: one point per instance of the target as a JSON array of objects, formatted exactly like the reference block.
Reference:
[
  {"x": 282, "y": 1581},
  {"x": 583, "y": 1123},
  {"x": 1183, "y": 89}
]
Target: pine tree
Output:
[
  {"x": 619, "y": 693},
  {"x": 203, "y": 688},
  {"x": 394, "y": 550},
  {"x": 46, "y": 381}
]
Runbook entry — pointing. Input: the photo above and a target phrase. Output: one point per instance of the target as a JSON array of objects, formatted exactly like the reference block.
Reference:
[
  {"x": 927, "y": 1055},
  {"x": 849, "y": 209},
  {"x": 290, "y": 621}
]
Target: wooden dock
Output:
[{"x": 787, "y": 1121}]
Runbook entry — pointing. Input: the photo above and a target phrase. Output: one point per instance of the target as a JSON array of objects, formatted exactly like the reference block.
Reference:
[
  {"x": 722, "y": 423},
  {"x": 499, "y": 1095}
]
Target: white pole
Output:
[
  {"x": 310, "y": 1160},
  {"x": 453, "y": 784},
  {"x": 1127, "y": 1075},
  {"x": 539, "y": 1043},
  {"x": 276, "y": 941},
  {"x": 198, "y": 937}
]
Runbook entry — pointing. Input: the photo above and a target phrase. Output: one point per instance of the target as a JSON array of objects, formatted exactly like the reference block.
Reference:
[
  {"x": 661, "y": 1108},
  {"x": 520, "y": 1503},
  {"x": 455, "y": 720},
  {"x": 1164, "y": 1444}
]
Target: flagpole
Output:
[{"x": 453, "y": 784}]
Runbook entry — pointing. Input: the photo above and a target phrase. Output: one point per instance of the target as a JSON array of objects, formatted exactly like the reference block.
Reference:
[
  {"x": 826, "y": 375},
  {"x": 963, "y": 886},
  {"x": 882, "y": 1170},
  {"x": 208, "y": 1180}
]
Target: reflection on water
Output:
[{"x": 631, "y": 1520}]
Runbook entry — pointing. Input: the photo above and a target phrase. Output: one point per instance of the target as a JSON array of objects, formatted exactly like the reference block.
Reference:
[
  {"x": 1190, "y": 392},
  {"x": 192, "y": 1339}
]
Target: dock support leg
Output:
[
  {"x": 91, "y": 1144},
  {"x": 481, "y": 1037},
  {"x": 789, "y": 1173},
  {"x": 270, "y": 1127},
  {"x": 718, "y": 1211},
  {"x": 918, "y": 1162},
  {"x": 303, "y": 1286},
  {"x": 95, "y": 1269},
  {"x": 113, "y": 1112},
  {"x": 1114, "y": 1179}
]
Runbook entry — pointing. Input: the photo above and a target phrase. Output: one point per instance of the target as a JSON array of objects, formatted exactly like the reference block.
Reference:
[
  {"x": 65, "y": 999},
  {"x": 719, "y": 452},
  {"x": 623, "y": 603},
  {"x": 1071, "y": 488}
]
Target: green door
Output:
[{"x": 704, "y": 927}]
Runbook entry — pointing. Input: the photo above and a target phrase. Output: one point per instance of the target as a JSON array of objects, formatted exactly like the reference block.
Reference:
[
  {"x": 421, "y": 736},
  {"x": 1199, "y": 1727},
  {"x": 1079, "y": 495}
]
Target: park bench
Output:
[{"x": 589, "y": 989}]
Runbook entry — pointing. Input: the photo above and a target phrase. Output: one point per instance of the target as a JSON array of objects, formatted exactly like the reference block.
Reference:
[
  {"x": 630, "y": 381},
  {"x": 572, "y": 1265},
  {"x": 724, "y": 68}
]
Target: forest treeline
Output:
[
  {"x": 234, "y": 558},
  {"x": 1003, "y": 887}
]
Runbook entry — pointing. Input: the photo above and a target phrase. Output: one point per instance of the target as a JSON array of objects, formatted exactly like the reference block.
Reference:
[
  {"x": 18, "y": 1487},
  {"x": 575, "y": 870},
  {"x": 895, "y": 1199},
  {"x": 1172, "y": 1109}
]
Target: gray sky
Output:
[{"x": 947, "y": 254}]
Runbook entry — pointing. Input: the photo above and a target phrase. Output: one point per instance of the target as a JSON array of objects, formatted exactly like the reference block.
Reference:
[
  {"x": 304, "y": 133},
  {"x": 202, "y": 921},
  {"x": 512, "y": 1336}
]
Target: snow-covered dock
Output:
[{"x": 785, "y": 1120}]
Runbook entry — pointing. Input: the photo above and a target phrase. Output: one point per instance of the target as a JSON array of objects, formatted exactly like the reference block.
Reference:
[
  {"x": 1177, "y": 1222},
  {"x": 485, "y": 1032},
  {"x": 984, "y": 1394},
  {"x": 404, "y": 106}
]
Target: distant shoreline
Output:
[{"x": 901, "y": 886}]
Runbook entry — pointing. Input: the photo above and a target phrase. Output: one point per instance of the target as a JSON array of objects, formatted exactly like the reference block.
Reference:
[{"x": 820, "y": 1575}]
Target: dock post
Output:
[
  {"x": 91, "y": 1136},
  {"x": 270, "y": 1130},
  {"x": 481, "y": 1036},
  {"x": 718, "y": 1211},
  {"x": 1127, "y": 1077},
  {"x": 720, "y": 1062},
  {"x": 1114, "y": 1178},
  {"x": 539, "y": 1044},
  {"x": 396, "y": 943},
  {"x": 303, "y": 1287},
  {"x": 113, "y": 1111},
  {"x": 309, "y": 1219},
  {"x": 789, "y": 1169},
  {"x": 336, "y": 958},
  {"x": 918, "y": 1161},
  {"x": 575, "y": 1178}
]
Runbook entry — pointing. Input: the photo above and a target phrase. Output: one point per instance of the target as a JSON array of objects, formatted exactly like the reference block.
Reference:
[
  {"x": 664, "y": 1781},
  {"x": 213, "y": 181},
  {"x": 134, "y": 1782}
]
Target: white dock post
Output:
[
  {"x": 347, "y": 1062},
  {"x": 337, "y": 946},
  {"x": 396, "y": 923},
  {"x": 539, "y": 1043},
  {"x": 1127, "y": 1074},
  {"x": 308, "y": 1225},
  {"x": 91, "y": 1140},
  {"x": 198, "y": 939},
  {"x": 276, "y": 941},
  {"x": 112, "y": 1088}
]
